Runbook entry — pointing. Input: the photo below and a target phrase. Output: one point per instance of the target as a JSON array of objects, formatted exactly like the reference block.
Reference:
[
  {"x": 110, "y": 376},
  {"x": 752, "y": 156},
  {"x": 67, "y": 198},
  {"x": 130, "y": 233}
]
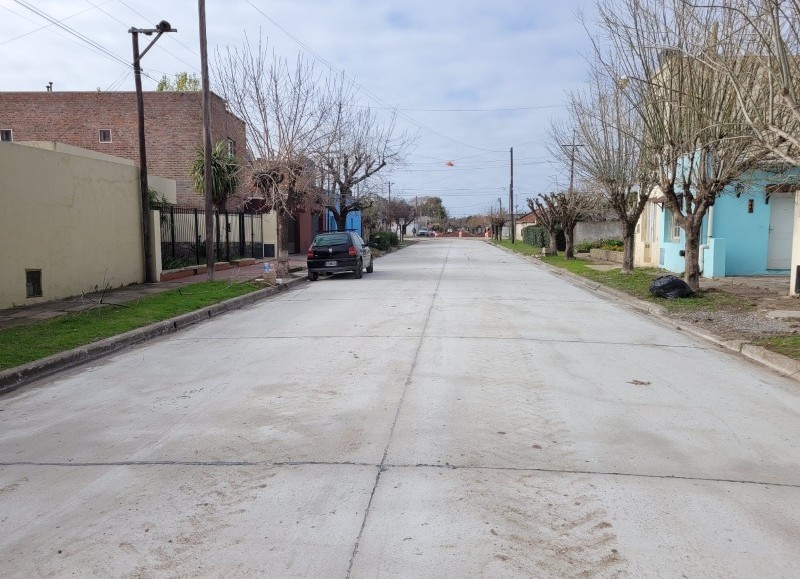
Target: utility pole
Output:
[
  {"x": 207, "y": 192},
  {"x": 500, "y": 229},
  {"x": 573, "y": 145},
  {"x": 160, "y": 29},
  {"x": 511, "y": 199}
]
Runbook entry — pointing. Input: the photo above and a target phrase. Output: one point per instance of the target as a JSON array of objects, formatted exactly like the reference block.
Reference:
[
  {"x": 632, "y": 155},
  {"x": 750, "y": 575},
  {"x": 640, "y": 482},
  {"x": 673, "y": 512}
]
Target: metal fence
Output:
[{"x": 183, "y": 236}]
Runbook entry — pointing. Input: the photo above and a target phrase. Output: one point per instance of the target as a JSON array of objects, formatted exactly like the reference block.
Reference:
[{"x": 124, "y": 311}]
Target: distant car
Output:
[
  {"x": 338, "y": 252},
  {"x": 425, "y": 233}
]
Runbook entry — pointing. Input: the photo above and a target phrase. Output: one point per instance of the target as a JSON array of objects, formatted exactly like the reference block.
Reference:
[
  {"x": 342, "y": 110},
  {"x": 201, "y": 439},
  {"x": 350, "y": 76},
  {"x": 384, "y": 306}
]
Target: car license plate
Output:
[{"x": 330, "y": 263}]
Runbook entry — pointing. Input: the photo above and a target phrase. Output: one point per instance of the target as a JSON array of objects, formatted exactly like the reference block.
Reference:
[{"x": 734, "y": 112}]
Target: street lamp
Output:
[{"x": 160, "y": 29}]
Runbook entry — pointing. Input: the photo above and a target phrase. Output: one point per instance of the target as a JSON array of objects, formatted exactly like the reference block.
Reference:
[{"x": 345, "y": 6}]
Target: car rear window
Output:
[{"x": 328, "y": 239}]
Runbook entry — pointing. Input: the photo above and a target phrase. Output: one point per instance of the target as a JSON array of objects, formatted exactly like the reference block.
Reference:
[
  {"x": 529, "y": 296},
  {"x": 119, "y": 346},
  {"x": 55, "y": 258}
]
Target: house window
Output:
[
  {"x": 105, "y": 135},
  {"x": 33, "y": 283},
  {"x": 6, "y": 135},
  {"x": 673, "y": 230},
  {"x": 231, "y": 148}
]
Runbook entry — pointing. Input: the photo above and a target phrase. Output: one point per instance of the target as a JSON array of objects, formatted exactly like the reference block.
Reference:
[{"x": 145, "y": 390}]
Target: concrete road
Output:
[{"x": 458, "y": 413}]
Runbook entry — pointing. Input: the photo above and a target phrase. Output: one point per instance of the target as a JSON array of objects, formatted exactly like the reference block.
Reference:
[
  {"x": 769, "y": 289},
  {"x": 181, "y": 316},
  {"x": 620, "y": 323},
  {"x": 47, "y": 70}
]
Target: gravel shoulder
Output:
[{"x": 767, "y": 312}]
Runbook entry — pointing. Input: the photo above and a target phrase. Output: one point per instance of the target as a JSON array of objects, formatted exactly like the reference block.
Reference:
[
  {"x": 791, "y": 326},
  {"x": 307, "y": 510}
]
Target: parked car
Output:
[
  {"x": 425, "y": 233},
  {"x": 338, "y": 252}
]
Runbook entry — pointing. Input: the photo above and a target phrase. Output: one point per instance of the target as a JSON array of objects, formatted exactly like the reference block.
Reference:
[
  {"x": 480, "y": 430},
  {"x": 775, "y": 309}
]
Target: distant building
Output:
[{"x": 107, "y": 122}]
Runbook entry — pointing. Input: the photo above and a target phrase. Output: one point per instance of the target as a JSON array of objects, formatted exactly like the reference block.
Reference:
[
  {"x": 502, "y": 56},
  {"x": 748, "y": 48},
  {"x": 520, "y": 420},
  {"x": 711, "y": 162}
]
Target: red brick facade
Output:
[{"x": 173, "y": 128}]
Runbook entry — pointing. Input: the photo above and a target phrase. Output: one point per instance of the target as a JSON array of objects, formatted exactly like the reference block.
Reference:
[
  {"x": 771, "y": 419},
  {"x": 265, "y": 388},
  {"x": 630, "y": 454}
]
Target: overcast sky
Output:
[{"x": 472, "y": 78}]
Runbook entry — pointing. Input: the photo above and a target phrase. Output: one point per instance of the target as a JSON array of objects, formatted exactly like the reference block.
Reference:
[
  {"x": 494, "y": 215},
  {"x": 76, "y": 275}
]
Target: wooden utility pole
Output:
[
  {"x": 201, "y": 5},
  {"x": 511, "y": 200},
  {"x": 144, "y": 189},
  {"x": 143, "y": 186},
  {"x": 573, "y": 145}
]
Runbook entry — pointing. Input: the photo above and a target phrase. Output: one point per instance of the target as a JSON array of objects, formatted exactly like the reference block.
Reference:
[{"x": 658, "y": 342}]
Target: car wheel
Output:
[
  {"x": 312, "y": 276},
  {"x": 357, "y": 272},
  {"x": 369, "y": 267}
]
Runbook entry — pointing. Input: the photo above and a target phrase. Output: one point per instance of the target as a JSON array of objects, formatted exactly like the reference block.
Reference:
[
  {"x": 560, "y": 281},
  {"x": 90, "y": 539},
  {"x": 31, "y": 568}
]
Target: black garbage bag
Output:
[{"x": 670, "y": 287}]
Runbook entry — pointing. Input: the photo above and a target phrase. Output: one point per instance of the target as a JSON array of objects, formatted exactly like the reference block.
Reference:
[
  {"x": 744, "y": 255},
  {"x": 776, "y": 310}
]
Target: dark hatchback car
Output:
[{"x": 338, "y": 252}]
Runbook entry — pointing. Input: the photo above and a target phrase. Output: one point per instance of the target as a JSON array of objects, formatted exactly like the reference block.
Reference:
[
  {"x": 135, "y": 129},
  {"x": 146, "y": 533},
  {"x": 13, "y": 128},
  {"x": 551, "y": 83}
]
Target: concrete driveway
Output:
[{"x": 458, "y": 413}]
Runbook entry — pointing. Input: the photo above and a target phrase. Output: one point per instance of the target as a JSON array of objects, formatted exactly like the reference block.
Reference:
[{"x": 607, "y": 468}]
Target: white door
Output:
[{"x": 781, "y": 226}]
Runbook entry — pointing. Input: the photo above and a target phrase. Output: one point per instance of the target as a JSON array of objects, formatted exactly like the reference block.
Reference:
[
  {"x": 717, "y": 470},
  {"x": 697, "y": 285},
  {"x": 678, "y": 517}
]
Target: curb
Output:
[
  {"x": 789, "y": 367},
  {"x": 15, "y": 378}
]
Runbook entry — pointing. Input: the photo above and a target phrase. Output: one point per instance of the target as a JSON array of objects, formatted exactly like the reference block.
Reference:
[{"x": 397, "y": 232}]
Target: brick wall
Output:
[{"x": 173, "y": 128}]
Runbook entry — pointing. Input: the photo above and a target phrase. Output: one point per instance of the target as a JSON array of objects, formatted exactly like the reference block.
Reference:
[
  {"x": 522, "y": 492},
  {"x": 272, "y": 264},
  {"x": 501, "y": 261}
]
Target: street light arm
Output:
[{"x": 161, "y": 28}]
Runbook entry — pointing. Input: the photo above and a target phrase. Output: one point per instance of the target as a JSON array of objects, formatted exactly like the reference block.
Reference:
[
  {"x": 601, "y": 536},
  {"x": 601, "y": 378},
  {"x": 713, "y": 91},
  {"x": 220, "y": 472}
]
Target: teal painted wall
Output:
[
  {"x": 741, "y": 239},
  {"x": 746, "y": 234}
]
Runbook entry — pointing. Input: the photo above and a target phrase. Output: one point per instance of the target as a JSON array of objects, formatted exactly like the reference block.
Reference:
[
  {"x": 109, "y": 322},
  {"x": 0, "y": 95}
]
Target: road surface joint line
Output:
[{"x": 382, "y": 465}]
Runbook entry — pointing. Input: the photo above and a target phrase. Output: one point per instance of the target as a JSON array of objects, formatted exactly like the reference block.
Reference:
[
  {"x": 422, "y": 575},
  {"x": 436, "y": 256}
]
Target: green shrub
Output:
[
  {"x": 383, "y": 240},
  {"x": 611, "y": 244},
  {"x": 535, "y": 235}
]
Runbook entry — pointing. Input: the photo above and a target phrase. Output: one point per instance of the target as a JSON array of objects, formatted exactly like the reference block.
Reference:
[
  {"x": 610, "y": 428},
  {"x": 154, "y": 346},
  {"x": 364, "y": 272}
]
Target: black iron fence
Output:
[{"x": 183, "y": 236}]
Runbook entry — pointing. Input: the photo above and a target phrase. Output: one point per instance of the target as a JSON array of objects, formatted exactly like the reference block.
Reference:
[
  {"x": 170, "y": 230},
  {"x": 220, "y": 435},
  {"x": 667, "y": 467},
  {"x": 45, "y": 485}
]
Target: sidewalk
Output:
[{"x": 20, "y": 316}]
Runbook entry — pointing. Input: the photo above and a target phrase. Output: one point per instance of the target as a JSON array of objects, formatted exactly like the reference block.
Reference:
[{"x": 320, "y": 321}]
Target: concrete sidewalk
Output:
[{"x": 20, "y": 316}]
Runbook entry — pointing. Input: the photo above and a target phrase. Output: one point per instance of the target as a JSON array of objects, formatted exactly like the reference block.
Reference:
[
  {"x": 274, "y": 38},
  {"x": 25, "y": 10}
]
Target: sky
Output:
[{"x": 471, "y": 79}]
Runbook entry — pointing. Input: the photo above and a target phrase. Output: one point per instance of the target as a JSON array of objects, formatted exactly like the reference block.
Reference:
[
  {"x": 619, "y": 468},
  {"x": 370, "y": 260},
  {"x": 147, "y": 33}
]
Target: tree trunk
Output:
[
  {"x": 281, "y": 251},
  {"x": 628, "y": 232},
  {"x": 569, "y": 234},
  {"x": 692, "y": 249},
  {"x": 552, "y": 242},
  {"x": 341, "y": 221}
]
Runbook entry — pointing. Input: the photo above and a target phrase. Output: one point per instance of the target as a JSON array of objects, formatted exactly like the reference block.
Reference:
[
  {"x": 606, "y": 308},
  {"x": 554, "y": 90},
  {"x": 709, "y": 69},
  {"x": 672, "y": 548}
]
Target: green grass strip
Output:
[
  {"x": 637, "y": 283},
  {"x": 789, "y": 346},
  {"x": 28, "y": 343}
]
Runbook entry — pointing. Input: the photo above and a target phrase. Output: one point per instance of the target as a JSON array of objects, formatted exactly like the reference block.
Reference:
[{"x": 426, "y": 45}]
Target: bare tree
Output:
[
  {"x": 285, "y": 112},
  {"x": 692, "y": 123},
  {"x": 543, "y": 208},
  {"x": 401, "y": 212},
  {"x": 610, "y": 157},
  {"x": 767, "y": 33},
  {"x": 357, "y": 146},
  {"x": 497, "y": 217}
]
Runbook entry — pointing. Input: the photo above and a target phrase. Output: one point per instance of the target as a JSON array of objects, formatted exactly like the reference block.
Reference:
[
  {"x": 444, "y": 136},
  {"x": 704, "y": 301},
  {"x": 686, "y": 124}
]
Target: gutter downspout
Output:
[{"x": 709, "y": 235}]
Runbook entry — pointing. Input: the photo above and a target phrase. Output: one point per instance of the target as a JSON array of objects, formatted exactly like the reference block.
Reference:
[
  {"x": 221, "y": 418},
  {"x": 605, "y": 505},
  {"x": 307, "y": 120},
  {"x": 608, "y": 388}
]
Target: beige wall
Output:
[
  {"x": 76, "y": 218},
  {"x": 647, "y": 239},
  {"x": 271, "y": 229},
  {"x": 795, "y": 246}
]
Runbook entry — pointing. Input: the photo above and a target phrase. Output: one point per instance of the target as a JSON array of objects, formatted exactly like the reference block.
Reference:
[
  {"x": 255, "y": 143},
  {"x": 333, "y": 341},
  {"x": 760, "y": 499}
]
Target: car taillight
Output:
[
  {"x": 310, "y": 253},
  {"x": 351, "y": 251}
]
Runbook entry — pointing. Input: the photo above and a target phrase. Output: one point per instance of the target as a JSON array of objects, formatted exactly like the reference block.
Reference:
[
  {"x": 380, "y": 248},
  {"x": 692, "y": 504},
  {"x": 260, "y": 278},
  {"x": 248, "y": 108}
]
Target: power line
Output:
[
  {"x": 484, "y": 110},
  {"x": 127, "y": 24},
  {"x": 82, "y": 37},
  {"x": 94, "y": 46},
  {"x": 173, "y": 37},
  {"x": 23, "y": 35}
]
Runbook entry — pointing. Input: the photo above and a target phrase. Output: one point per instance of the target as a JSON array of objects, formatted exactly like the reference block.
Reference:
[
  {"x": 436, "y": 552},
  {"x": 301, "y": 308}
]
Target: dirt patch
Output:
[{"x": 749, "y": 318}]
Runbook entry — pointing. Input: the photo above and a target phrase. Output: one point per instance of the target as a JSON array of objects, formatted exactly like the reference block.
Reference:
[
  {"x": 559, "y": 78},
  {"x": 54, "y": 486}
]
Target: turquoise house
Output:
[
  {"x": 353, "y": 222},
  {"x": 748, "y": 231}
]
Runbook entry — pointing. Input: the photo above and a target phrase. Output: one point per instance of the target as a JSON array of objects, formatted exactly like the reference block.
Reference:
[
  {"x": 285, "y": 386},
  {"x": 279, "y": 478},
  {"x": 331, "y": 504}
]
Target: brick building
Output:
[{"x": 107, "y": 122}]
